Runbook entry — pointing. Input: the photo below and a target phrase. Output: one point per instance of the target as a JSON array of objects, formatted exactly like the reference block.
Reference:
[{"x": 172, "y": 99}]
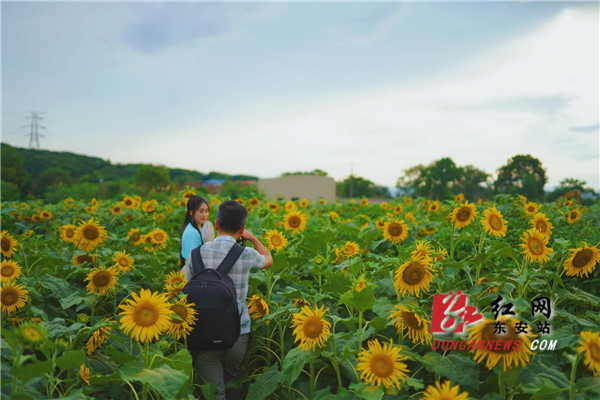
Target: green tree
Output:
[
  {"x": 152, "y": 177},
  {"x": 523, "y": 174},
  {"x": 14, "y": 173},
  {"x": 355, "y": 186},
  {"x": 587, "y": 195}
]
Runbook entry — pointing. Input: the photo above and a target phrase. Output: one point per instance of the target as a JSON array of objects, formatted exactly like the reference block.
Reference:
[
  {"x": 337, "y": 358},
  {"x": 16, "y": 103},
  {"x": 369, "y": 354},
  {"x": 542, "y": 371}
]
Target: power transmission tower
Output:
[{"x": 34, "y": 127}]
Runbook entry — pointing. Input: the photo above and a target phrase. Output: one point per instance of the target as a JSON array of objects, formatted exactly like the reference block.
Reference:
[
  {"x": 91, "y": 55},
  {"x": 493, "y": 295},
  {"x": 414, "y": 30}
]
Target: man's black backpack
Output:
[{"x": 213, "y": 293}]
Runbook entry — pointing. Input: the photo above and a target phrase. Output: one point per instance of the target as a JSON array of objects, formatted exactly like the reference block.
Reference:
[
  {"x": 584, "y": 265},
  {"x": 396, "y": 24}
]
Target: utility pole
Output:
[{"x": 34, "y": 127}]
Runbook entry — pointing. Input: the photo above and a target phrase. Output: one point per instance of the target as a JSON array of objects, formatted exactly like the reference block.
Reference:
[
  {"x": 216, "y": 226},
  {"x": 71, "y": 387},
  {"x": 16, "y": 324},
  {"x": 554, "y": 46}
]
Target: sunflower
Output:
[
  {"x": 101, "y": 280},
  {"x": 301, "y": 302},
  {"x": 360, "y": 284},
  {"x": 275, "y": 240},
  {"x": 134, "y": 236},
  {"x": 542, "y": 224},
  {"x": 128, "y": 202},
  {"x": 99, "y": 336},
  {"x": 310, "y": 328},
  {"x": 417, "y": 328},
  {"x": 122, "y": 261},
  {"x": 159, "y": 237},
  {"x": 459, "y": 198},
  {"x": 88, "y": 210},
  {"x": 13, "y": 297},
  {"x": 68, "y": 232},
  {"x": 589, "y": 344},
  {"x": 334, "y": 216},
  {"x": 493, "y": 223},
  {"x": 435, "y": 206},
  {"x": 395, "y": 231},
  {"x": 89, "y": 234},
  {"x": 253, "y": 202},
  {"x": 582, "y": 261},
  {"x": 9, "y": 270},
  {"x": 83, "y": 258},
  {"x": 463, "y": 215},
  {"x": 8, "y": 244},
  {"x": 423, "y": 250},
  {"x": 295, "y": 221},
  {"x": 398, "y": 209},
  {"x": 149, "y": 206},
  {"x": 534, "y": 246},
  {"x": 183, "y": 319},
  {"x": 444, "y": 392},
  {"x": 484, "y": 331},
  {"x": 531, "y": 208},
  {"x": 350, "y": 249},
  {"x": 412, "y": 277},
  {"x": 175, "y": 278},
  {"x": 84, "y": 373},
  {"x": 573, "y": 216},
  {"x": 146, "y": 316},
  {"x": 116, "y": 209},
  {"x": 32, "y": 334},
  {"x": 382, "y": 365},
  {"x": 257, "y": 307},
  {"x": 69, "y": 202}
]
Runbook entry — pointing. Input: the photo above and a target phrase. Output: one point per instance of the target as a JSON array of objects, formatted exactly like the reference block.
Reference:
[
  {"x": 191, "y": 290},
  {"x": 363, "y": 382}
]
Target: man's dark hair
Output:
[{"x": 231, "y": 216}]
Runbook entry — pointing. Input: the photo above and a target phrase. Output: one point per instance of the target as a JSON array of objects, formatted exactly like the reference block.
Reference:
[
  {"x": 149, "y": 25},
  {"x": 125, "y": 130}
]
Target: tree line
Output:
[{"x": 30, "y": 174}]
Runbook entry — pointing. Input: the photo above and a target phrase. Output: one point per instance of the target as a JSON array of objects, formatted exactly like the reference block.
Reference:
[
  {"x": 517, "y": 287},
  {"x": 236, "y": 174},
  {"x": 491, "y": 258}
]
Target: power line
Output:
[{"x": 34, "y": 127}]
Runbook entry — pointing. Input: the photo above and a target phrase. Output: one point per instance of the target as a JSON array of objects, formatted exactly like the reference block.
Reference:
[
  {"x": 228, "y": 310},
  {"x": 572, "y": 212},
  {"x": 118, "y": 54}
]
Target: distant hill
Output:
[{"x": 34, "y": 172}]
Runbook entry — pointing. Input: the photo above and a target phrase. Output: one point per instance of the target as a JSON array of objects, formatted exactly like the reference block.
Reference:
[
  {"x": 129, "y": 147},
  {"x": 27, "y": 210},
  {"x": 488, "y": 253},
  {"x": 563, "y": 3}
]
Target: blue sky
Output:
[{"x": 265, "y": 88}]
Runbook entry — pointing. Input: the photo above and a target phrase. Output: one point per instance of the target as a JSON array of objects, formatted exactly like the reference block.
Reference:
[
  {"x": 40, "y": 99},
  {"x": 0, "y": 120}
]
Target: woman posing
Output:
[{"x": 196, "y": 229}]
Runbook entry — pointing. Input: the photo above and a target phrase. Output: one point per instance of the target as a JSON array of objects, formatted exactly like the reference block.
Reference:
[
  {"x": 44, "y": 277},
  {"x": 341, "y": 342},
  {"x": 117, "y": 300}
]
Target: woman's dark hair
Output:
[{"x": 193, "y": 204}]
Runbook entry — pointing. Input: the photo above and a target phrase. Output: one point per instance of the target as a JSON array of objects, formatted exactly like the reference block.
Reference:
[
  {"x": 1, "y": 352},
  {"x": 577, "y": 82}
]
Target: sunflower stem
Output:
[
  {"x": 572, "y": 381},
  {"x": 145, "y": 385},
  {"x": 312, "y": 374}
]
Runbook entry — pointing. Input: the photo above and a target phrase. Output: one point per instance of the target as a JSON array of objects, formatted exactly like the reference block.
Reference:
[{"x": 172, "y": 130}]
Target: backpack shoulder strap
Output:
[
  {"x": 197, "y": 263},
  {"x": 234, "y": 253}
]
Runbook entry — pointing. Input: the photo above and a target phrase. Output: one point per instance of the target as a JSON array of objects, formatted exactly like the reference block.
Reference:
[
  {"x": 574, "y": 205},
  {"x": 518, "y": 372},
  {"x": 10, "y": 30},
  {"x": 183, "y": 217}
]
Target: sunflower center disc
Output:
[
  {"x": 313, "y": 327},
  {"x": 91, "y": 232},
  {"x": 9, "y": 297},
  {"x": 582, "y": 258},
  {"x": 146, "y": 316},
  {"x": 101, "y": 279},
  {"x": 411, "y": 320},
  {"x": 541, "y": 226},
  {"x": 413, "y": 274},
  {"x": 495, "y": 223},
  {"x": 536, "y": 246},
  {"x": 181, "y": 312},
  {"x": 5, "y": 244},
  {"x": 594, "y": 349},
  {"x": 395, "y": 230},
  {"x": 381, "y": 365},
  {"x": 463, "y": 214}
]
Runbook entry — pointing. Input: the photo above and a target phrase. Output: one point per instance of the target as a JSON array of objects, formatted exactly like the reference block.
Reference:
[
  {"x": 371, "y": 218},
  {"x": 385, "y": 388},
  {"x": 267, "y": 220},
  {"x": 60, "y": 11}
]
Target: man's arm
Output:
[{"x": 258, "y": 246}]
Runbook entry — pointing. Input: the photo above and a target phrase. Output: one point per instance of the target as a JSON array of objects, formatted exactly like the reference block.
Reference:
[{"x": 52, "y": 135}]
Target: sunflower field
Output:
[{"x": 92, "y": 305}]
